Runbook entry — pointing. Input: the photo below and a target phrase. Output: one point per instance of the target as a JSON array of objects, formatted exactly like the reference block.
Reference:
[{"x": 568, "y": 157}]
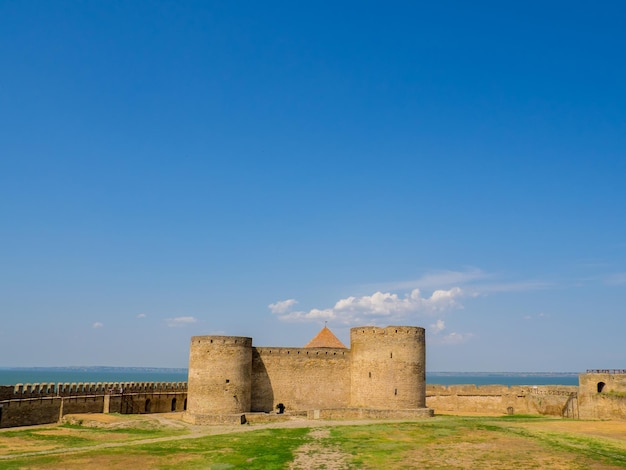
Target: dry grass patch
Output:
[
  {"x": 19, "y": 445},
  {"x": 489, "y": 450},
  {"x": 604, "y": 429},
  {"x": 443, "y": 442}
]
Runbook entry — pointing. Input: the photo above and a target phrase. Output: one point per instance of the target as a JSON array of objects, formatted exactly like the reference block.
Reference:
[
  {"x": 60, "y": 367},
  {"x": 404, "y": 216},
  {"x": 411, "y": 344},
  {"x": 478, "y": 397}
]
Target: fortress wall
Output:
[
  {"x": 6, "y": 392},
  {"x": 29, "y": 404},
  {"x": 37, "y": 390},
  {"x": 220, "y": 373},
  {"x": 82, "y": 404},
  {"x": 142, "y": 403},
  {"x": 603, "y": 382},
  {"x": 602, "y": 406},
  {"x": 603, "y": 395},
  {"x": 29, "y": 412},
  {"x": 388, "y": 367},
  {"x": 300, "y": 378},
  {"x": 501, "y": 399}
]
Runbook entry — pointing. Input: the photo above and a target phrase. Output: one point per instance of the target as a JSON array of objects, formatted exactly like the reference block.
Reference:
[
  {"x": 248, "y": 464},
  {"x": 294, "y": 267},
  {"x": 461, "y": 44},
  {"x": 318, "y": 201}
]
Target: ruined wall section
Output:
[
  {"x": 300, "y": 378},
  {"x": 220, "y": 374},
  {"x": 551, "y": 400},
  {"x": 603, "y": 394},
  {"x": 388, "y": 367}
]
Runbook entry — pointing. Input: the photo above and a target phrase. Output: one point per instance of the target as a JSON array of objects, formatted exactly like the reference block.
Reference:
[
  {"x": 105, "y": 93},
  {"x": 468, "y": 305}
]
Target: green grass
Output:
[
  {"x": 263, "y": 449},
  {"x": 446, "y": 442},
  {"x": 53, "y": 437}
]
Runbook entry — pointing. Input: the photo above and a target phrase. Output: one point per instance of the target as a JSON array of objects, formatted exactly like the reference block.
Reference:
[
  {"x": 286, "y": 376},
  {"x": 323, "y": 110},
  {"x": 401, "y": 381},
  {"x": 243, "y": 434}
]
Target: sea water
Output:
[
  {"x": 502, "y": 378},
  {"x": 88, "y": 375},
  {"x": 12, "y": 376}
]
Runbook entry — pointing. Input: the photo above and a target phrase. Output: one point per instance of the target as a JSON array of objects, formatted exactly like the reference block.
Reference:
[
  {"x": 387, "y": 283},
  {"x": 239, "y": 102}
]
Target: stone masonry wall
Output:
[
  {"x": 388, "y": 367},
  {"x": 603, "y": 394},
  {"x": 300, "y": 378},
  {"x": 220, "y": 370},
  {"x": 29, "y": 404},
  {"x": 501, "y": 399}
]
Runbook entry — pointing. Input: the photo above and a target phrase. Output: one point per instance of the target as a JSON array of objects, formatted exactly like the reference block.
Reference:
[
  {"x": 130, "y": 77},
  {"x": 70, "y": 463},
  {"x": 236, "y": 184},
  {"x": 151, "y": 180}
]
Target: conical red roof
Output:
[{"x": 325, "y": 339}]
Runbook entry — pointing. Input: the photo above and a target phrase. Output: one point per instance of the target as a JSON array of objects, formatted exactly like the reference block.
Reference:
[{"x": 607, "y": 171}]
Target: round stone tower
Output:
[
  {"x": 388, "y": 367},
  {"x": 220, "y": 375}
]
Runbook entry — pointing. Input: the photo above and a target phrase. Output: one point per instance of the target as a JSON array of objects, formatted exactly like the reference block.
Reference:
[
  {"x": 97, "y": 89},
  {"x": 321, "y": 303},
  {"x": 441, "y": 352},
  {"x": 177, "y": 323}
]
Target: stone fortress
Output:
[{"x": 383, "y": 374}]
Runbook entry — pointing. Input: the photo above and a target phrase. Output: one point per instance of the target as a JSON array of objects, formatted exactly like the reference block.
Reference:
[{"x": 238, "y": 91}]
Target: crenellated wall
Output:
[
  {"x": 38, "y": 390},
  {"x": 28, "y": 404}
]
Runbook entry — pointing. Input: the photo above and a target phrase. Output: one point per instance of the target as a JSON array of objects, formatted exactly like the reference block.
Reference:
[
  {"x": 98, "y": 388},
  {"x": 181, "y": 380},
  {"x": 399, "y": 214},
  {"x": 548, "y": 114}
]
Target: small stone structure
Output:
[
  {"x": 382, "y": 374},
  {"x": 602, "y": 394}
]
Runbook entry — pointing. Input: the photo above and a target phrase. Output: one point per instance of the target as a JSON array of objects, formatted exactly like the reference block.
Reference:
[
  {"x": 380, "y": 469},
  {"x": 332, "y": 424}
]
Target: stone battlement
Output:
[
  {"x": 415, "y": 331},
  {"x": 40, "y": 390},
  {"x": 215, "y": 341},
  {"x": 263, "y": 351},
  {"x": 606, "y": 371}
]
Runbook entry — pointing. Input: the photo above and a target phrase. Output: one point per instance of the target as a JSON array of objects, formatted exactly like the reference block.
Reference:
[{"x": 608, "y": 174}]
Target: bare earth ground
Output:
[
  {"x": 481, "y": 452},
  {"x": 316, "y": 455}
]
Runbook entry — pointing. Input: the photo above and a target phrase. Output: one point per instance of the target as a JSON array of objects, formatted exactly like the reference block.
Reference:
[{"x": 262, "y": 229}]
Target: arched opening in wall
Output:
[
  {"x": 601, "y": 386},
  {"x": 185, "y": 405},
  {"x": 146, "y": 408},
  {"x": 173, "y": 404}
]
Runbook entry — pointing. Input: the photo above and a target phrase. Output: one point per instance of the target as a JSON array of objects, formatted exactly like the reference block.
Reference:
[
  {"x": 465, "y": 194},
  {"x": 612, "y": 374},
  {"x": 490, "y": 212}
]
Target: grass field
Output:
[{"x": 442, "y": 442}]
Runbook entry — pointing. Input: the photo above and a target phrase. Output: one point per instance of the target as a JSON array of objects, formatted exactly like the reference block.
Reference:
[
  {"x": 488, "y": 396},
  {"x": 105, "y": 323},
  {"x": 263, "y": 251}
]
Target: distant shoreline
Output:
[
  {"x": 98, "y": 368},
  {"x": 88, "y": 374}
]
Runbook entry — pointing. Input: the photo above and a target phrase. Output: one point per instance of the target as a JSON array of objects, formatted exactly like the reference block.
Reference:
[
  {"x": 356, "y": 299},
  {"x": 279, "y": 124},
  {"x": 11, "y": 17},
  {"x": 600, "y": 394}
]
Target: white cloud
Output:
[
  {"x": 282, "y": 306},
  {"x": 180, "y": 321},
  {"x": 142, "y": 315},
  {"x": 438, "y": 326},
  {"x": 456, "y": 338},
  {"x": 97, "y": 325},
  {"x": 380, "y": 306}
]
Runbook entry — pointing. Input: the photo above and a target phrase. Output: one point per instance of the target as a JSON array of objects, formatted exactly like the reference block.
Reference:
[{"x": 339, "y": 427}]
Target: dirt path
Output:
[{"x": 318, "y": 454}]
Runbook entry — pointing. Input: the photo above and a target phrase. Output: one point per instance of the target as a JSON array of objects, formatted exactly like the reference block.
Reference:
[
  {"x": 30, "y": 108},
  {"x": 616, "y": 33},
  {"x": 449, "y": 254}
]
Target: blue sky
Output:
[{"x": 170, "y": 169}]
